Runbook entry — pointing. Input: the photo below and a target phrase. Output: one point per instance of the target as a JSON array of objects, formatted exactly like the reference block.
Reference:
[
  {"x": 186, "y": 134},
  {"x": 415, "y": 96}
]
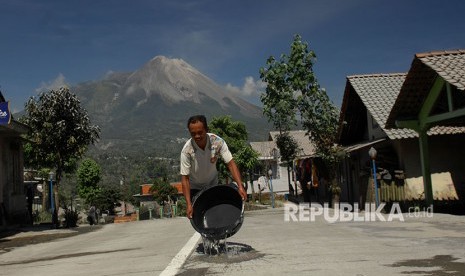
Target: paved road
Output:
[
  {"x": 265, "y": 245},
  {"x": 137, "y": 248},
  {"x": 417, "y": 246}
]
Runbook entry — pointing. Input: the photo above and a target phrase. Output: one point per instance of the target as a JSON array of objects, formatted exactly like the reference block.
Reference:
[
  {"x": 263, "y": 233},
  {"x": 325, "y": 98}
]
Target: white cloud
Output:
[
  {"x": 57, "y": 83},
  {"x": 108, "y": 73},
  {"x": 251, "y": 88}
]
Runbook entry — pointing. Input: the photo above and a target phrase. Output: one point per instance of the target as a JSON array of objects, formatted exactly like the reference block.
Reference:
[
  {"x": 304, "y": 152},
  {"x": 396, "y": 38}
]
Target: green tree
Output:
[
  {"x": 88, "y": 176},
  {"x": 60, "y": 133},
  {"x": 162, "y": 191},
  {"x": 235, "y": 135},
  {"x": 287, "y": 146},
  {"x": 233, "y": 132},
  {"x": 163, "y": 168},
  {"x": 107, "y": 198},
  {"x": 320, "y": 119},
  {"x": 246, "y": 159},
  {"x": 293, "y": 90},
  {"x": 290, "y": 81},
  {"x": 129, "y": 188}
]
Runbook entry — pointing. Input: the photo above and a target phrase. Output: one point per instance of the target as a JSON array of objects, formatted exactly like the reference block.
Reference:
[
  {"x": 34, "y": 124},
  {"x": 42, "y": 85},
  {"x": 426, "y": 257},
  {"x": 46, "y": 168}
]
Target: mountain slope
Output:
[{"x": 147, "y": 110}]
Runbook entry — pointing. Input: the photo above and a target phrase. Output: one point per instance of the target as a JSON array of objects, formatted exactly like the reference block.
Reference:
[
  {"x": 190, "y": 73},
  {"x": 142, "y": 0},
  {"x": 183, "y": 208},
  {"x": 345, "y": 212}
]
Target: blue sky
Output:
[{"x": 48, "y": 43}]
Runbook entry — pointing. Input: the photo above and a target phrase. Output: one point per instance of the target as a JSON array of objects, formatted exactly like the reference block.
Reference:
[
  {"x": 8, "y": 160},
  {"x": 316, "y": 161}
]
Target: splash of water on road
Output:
[{"x": 222, "y": 251}]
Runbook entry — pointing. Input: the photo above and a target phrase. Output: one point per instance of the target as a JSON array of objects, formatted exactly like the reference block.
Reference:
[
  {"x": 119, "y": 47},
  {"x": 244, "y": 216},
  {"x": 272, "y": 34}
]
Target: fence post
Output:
[{"x": 173, "y": 210}]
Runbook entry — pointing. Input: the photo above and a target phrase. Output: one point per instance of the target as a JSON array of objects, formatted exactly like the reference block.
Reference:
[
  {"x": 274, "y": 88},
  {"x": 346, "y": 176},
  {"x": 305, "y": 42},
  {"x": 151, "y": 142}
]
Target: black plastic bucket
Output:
[{"x": 218, "y": 212}]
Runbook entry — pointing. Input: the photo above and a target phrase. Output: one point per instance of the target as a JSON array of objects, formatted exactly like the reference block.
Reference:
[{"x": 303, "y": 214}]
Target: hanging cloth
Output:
[{"x": 315, "y": 182}]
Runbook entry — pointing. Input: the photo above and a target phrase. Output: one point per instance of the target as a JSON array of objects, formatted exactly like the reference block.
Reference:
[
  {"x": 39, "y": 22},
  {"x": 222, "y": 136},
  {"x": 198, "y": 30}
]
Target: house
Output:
[
  {"x": 150, "y": 208},
  {"x": 367, "y": 104},
  {"x": 432, "y": 97},
  {"x": 146, "y": 196},
  {"x": 283, "y": 179},
  {"x": 13, "y": 204}
]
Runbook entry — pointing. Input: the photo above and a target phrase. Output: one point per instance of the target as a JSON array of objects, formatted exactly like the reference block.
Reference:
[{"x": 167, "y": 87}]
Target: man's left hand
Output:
[{"x": 242, "y": 192}]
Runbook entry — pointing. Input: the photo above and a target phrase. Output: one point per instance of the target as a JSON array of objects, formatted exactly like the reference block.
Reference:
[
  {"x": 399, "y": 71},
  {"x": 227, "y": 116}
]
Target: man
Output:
[
  {"x": 91, "y": 216},
  {"x": 198, "y": 161}
]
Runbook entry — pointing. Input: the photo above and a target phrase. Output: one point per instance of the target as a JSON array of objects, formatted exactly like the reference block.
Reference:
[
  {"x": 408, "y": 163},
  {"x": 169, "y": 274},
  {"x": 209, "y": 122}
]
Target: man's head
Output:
[
  {"x": 198, "y": 118},
  {"x": 198, "y": 128}
]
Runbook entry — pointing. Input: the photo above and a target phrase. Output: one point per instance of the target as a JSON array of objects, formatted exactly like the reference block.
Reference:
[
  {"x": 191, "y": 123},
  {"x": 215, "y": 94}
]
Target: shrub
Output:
[
  {"x": 42, "y": 216},
  {"x": 162, "y": 191},
  {"x": 181, "y": 207},
  {"x": 71, "y": 218}
]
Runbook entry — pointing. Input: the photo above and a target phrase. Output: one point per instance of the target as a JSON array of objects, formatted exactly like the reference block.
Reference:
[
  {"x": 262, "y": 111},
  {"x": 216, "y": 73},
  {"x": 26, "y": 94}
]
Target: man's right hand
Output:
[{"x": 189, "y": 211}]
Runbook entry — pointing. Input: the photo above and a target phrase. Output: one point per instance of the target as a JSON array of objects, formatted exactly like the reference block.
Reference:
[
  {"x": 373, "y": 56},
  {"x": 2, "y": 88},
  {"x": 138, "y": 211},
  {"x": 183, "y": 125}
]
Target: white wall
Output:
[
  {"x": 279, "y": 181},
  {"x": 446, "y": 155}
]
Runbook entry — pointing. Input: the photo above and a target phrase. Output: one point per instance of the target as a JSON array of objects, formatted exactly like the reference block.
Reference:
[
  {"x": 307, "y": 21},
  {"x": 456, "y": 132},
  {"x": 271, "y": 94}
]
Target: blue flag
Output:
[{"x": 5, "y": 115}]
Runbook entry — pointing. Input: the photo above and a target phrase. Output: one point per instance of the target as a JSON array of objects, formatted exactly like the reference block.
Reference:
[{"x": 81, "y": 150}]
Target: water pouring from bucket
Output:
[{"x": 218, "y": 214}]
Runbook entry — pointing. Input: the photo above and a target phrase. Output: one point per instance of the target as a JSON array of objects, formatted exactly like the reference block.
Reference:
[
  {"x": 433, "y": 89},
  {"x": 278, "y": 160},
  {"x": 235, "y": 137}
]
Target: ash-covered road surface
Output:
[{"x": 266, "y": 244}]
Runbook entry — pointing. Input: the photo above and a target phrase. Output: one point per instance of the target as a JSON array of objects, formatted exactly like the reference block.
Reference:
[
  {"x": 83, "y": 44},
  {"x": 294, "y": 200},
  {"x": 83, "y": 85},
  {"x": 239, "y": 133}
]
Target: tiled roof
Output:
[
  {"x": 264, "y": 149},
  {"x": 145, "y": 189},
  {"x": 378, "y": 93},
  {"x": 450, "y": 65},
  {"x": 302, "y": 139}
]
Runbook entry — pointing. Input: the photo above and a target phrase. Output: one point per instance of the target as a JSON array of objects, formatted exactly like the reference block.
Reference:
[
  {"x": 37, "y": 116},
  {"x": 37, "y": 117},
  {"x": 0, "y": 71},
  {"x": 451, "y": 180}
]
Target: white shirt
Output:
[{"x": 197, "y": 163}]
